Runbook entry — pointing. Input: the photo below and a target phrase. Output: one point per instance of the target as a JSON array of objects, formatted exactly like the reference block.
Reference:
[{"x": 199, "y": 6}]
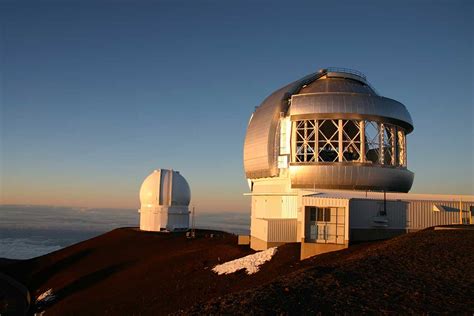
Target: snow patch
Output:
[
  {"x": 46, "y": 297},
  {"x": 251, "y": 263}
]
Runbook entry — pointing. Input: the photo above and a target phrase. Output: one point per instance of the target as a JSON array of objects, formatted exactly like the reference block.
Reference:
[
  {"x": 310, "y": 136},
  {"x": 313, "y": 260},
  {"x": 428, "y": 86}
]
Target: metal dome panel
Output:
[
  {"x": 337, "y": 85},
  {"x": 351, "y": 177},
  {"x": 350, "y": 106},
  {"x": 261, "y": 143}
]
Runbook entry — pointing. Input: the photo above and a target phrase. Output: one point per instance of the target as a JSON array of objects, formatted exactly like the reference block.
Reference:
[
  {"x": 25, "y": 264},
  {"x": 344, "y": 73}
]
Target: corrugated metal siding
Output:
[
  {"x": 282, "y": 230},
  {"x": 421, "y": 215},
  {"x": 274, "y": 230},
  {"x": 289, "y": 206},
  {"x": 411, "y": 214},
  {"x": 391, "y": 196},
  {"x": 314, "y": 201}
]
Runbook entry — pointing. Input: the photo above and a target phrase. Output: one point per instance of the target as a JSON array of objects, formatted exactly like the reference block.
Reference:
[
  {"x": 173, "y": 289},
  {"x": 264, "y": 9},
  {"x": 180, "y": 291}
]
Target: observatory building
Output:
[
  {"x": 164, "y": 199},
  {"x": 317, "y": 154}
]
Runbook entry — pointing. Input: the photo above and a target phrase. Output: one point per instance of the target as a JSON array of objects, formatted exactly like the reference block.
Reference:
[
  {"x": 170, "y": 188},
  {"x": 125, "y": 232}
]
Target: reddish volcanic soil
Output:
[
  {"x": 131, "y": 272},
  {"x": 429, "y": 272},
  {"x": 127, "y": 272}
]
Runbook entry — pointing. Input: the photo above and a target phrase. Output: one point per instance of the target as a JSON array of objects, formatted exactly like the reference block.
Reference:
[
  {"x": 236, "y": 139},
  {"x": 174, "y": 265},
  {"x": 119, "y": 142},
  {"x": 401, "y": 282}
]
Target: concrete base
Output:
[
  {"x": 243, "y": 240},
  {"x": 258, "y": 244},
  {"x": 368, "y": 234},
  {"x": 310, "y": 249}
]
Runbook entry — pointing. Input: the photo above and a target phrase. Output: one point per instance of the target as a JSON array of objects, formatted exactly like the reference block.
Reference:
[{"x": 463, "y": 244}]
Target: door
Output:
[
  {"x": 316, "y": 224},
  {"x": 311, "y": 228},
  {"x": 324, "y": 224}
]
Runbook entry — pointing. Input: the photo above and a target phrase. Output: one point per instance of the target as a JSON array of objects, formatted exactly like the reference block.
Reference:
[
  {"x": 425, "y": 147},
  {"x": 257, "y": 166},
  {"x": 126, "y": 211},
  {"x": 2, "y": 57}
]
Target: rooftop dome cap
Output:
[{"x": 164, "y": 187}]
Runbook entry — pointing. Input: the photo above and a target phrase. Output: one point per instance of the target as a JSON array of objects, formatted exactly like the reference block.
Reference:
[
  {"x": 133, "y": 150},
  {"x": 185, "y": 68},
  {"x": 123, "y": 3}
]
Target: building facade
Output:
[{"x": 327, "y": 131}]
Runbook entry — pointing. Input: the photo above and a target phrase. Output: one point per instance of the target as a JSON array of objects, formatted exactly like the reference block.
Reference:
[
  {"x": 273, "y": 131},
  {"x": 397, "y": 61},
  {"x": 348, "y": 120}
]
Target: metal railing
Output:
[
  {"x": 349, "y": 71},
  {"x": 345, "y": 70}
]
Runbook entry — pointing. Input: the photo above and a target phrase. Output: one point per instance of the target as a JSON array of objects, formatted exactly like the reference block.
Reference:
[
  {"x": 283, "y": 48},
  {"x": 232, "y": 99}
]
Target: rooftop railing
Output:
[
  {"x": 349, "y": 71},
  {"x": 344, "y": 70}
]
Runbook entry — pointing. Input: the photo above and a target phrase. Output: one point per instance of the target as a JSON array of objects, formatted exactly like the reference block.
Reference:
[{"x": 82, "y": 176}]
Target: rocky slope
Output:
[
  {"x": 127, "y": 272},
  {"x": 429, "y": 272}
]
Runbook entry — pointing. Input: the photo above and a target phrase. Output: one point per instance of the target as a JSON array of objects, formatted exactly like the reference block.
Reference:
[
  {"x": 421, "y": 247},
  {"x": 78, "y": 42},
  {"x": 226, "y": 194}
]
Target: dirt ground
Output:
[
  {"x": 429, "y": 272},
  {"x": 128, "y": 272}
]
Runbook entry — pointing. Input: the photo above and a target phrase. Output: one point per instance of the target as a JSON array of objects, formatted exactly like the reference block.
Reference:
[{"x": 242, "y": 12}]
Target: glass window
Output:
[
  {"x": 351, "y": 140},
  {"x": 372, "y": 142},
  {"x": 306, "y": 141},
  {"x": 401, "y": 147},
  {"x": 327, "y": 214},
  {"x": 324, "y": 214},
  {"x": 312, "y": 214},
  {"x": 387, "y": 138},
  {"x": 328, "y": 140}
]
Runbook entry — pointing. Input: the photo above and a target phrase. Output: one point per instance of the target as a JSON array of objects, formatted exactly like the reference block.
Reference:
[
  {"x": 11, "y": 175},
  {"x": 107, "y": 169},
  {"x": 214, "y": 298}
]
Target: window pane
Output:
[
  {"x": 328, "y": 140},
  {"x": 312, "y": 214},
  {"x": 372, "y": 141},
  {"x": 350, "y": 140},
  {"x": 305, "y": 137},
  {"x": 327, "y": 214},
  {"x": 387, "y": 137},
  {"x": 320, "y": 214},
  {"x": 401, "y": 146}
]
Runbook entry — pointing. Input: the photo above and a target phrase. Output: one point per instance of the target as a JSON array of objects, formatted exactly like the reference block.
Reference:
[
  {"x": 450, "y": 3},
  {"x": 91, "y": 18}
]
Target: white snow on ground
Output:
[
  {"x": 251, "y": 263},
  {"x": 46, "y": 297}
]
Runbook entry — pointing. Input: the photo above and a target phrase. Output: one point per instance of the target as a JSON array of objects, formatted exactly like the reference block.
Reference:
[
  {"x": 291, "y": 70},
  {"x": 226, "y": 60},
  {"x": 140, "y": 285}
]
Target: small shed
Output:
[{"x": 330, "y": 220}]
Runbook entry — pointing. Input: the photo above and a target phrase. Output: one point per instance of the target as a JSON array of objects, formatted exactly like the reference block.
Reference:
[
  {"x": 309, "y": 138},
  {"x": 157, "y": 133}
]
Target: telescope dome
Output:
[
  {"x": 165, "y": 187},
  {"x": 331, "y": 130}
]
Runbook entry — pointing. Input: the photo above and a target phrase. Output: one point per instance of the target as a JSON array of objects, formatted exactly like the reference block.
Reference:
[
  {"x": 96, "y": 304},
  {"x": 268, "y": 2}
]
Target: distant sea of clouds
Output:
[{"x": 31, "y": 231}]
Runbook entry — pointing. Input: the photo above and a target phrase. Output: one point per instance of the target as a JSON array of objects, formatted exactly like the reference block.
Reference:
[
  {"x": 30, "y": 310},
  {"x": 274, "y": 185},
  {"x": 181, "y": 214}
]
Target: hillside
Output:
[
  {"x": 425, "y": 272},
  {"x": 131, "y": 272},
  {"x": 128, "y": 272}
]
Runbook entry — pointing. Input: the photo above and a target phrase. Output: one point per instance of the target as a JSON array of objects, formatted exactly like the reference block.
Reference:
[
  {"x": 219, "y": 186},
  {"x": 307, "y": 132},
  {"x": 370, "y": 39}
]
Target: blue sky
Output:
[{"x": 97, "y": 94}]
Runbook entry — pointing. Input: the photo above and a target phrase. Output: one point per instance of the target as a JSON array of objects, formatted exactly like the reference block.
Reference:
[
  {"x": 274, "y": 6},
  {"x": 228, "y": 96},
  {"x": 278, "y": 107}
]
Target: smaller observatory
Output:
[{"x": 164, "y": 199}]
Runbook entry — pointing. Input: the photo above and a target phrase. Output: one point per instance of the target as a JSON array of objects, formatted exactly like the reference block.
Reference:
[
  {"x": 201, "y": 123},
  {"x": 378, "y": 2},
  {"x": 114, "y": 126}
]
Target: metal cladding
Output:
[
  {"x": 350, "y": 106},
  {"x": 331, "y": 146},
  {"x": 260, "y": 158},
  {"x": 351, "y": 177}
]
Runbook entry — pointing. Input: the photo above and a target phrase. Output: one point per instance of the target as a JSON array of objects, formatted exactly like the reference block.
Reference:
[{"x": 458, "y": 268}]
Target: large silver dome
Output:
[{"x": 330, "y": 129}]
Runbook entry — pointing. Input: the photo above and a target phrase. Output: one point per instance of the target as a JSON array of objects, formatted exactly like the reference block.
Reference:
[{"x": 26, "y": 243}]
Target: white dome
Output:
[{"x": 165, "y": 187}]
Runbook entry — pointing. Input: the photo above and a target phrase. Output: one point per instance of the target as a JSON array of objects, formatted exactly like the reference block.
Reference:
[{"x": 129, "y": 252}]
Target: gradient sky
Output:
[{"x": 97, "y": 94}]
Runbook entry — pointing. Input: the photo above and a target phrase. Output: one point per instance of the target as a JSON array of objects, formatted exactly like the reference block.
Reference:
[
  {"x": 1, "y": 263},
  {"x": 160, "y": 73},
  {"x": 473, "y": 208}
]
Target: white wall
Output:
[{"x": 164, "y": 218}]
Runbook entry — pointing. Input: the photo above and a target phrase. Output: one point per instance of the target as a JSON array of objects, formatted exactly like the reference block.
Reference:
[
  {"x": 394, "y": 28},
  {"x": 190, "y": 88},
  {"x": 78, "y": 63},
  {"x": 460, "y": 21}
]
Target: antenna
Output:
[{"x": 193, "y": 231}]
